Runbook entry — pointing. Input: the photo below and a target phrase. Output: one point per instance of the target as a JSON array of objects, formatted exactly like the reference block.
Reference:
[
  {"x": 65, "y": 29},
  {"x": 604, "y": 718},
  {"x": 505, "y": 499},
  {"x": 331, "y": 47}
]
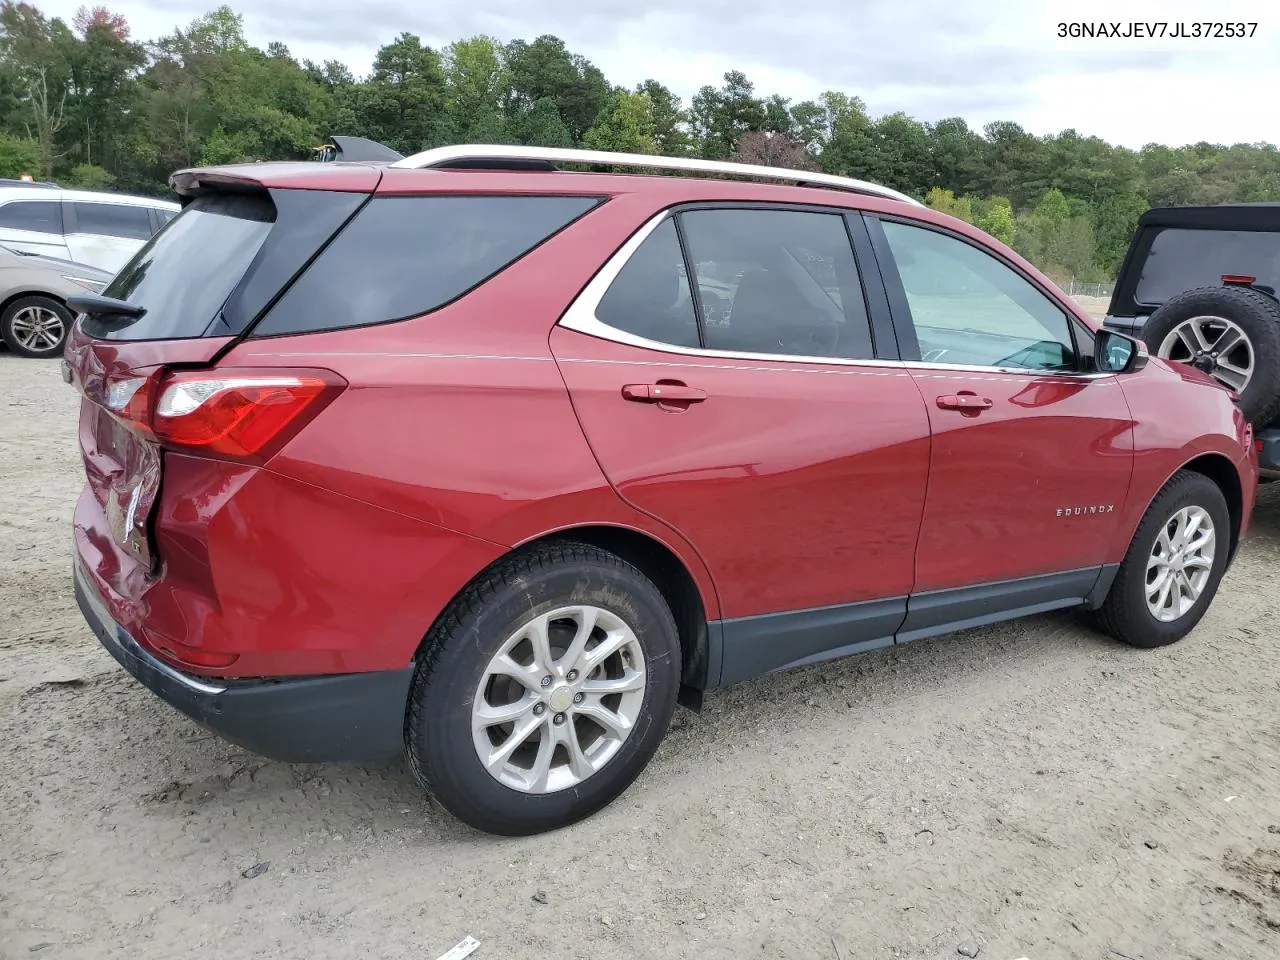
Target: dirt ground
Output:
[{"x": 1030, "y": 790}]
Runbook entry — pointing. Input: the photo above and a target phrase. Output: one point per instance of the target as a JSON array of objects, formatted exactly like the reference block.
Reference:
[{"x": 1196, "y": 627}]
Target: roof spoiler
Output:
[{"x": 355, "y": 150}]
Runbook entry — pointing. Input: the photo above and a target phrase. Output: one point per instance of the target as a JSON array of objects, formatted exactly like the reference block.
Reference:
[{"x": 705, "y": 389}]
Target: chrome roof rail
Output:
[{"x": 476, "y": 156}]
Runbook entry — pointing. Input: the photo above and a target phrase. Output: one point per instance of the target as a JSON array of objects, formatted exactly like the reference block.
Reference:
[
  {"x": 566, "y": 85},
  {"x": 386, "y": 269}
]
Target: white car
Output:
[{"x": 102, "y": 230}]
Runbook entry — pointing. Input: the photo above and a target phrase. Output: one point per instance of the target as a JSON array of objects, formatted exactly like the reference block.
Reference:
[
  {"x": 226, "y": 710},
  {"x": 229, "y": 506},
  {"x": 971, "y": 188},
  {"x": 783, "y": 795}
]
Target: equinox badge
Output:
[{"x": 1083, "y": 511}]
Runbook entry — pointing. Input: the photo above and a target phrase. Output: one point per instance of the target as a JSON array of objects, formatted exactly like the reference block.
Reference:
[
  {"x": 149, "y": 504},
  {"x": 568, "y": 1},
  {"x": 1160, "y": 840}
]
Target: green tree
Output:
[
  {"x": 720, "y": 116},
  {"x": 102, "y": 92},
  {"x": 546, "y": 70},
  {"x": 543, "y": 126},
  {"x": 997, "y": 219},
  {"x": 956, "y": 155},
  {"x": 1014, "y": 164},
  {"x": 669, "y": 119},
  {"x": 1114, "y": 221},
  {"x": 332, "y": 75},
  {"x": 18, "y": 156},
  {"x": 1059, "y": 241},
  {"x": 478, "y": 88},
  {"x": 36, "y": 52},
  {"x": 848, "y": 142},
  {"x": 809, "y": 126},
  {"x": 1053, "y": 209},
  {"x": 777, "y": 115},
  {"x": 402, "y": 103},
  {"x": 899, "y": 154},
  {"x": 86, "y": 176},
  {"x": 1069, "y": 252},
  {"x": 944, "y": 201},
  {"x": 209, "y": 95},
  {"x": 625, "y": 125}
]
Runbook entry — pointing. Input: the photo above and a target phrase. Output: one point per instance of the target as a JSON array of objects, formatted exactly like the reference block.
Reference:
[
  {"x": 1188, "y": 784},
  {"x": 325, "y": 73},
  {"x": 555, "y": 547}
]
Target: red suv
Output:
[{"x": 494, "y": 463}]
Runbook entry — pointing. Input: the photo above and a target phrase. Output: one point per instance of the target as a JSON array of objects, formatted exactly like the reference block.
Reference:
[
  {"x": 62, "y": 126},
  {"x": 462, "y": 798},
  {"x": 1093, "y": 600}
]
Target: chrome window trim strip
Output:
[{"x": 581, "y": 318}]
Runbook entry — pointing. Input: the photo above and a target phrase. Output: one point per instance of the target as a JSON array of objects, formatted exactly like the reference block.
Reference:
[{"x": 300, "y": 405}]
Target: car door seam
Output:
[{"x": 608, "y": 480}]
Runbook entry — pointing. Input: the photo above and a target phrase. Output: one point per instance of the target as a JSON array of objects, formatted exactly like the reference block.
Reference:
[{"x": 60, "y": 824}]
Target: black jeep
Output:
[{"x": 1198, "y": 285}]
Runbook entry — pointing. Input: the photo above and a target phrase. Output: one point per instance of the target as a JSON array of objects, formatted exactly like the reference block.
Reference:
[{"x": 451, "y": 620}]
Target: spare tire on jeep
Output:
[{"x": 1233, "y": 334}]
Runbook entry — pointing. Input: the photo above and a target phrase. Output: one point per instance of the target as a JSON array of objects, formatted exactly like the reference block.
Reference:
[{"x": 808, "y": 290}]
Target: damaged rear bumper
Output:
[{"x": 347, "y": 718}]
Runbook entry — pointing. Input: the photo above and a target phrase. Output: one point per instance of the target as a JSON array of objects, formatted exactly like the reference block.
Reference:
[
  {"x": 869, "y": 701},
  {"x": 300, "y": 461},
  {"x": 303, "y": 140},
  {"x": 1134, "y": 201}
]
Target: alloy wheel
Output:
[
  {"x": 37, "y": 329},
  {"x": 1214, "y": 344},
  {"x": 1180, "y": 564},
  {"x": 558, "y": 699}
]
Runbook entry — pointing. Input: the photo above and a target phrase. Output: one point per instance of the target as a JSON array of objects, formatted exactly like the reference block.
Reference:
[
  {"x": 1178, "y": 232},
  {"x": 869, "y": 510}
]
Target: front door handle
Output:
[
  {"x": 663, "y": 393},
  {"x": 964, "y": 401}
]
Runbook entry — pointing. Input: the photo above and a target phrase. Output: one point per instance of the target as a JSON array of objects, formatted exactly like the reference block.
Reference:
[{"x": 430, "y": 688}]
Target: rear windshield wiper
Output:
[{"x": 100, "y": 306}]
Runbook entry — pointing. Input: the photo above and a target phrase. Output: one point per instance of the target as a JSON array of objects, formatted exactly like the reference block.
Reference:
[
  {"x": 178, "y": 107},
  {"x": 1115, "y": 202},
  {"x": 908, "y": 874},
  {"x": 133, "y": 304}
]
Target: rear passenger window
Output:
[
  {"x": 779, "y": 282},
  {"x": 38, "y": 216},
  {"x": 405, "y": 256},
  {"x": 113, "y": 220},
  {"x": 650, "y": 296}
]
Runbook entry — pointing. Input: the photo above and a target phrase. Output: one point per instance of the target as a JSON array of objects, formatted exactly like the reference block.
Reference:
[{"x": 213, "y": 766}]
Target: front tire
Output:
[
  {"x": 35, "y": 327},
  {"x": 1173, "y": 567},
  {"x": 543, "y": 690}
]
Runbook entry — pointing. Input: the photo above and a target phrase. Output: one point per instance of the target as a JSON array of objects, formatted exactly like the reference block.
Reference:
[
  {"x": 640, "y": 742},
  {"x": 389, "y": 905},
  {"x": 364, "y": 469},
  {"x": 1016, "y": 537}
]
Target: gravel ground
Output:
[{"x": 1030, "y": 790}]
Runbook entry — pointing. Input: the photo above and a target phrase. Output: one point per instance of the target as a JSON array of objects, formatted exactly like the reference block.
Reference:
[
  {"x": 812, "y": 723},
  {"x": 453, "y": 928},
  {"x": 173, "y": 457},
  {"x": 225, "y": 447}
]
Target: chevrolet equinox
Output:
[{"x": 491, "y": 462}]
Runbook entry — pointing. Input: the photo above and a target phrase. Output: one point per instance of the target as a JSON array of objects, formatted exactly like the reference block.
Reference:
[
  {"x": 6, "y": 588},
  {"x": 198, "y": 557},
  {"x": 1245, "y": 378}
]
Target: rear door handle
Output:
[
  {"x": 964, "y": 401},
  {"x": 663, "y": 393}
]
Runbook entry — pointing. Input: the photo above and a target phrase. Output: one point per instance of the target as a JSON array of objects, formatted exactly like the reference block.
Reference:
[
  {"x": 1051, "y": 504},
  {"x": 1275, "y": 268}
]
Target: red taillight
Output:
[
  {"x": 131, "y": 399},
  {"x": 1237, "y": 278},
  {"x": 237, "y": 414},
  {"x": 240, "y": 414}
]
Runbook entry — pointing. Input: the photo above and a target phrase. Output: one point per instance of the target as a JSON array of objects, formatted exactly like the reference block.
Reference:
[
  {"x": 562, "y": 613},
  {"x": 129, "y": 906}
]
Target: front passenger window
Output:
[{"x": 969, "y": 308}]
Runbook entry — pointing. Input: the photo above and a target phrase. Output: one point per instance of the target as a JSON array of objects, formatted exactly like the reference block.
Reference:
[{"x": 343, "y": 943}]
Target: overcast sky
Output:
[{"x": 983, "y": 60}]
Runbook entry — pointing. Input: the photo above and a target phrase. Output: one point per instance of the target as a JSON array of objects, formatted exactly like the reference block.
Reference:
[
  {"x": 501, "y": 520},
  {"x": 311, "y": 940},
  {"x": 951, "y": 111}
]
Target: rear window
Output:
[
  {"x": 1182, "y": 260},
  {"x": 185, "y": 273},
  {"x": 405, "y": 256}
]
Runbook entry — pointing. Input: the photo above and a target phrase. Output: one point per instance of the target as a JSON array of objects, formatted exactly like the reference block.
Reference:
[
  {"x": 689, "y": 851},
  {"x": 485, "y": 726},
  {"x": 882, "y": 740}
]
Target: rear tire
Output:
[
  {"x": 579, "y": 748},
  {"x": 35, "y": 327},
  {"x": 1127, "y": 614},
  {"x": 1221, "y": 312}
]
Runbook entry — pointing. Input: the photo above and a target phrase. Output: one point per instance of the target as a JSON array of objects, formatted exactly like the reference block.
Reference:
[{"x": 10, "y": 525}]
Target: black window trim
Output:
[
  {"x": 251, "y": 330},
  {"x": 691, "y": 281},
  {"x": 581, "y": 314},
  {"x": 904, "y": 323}
]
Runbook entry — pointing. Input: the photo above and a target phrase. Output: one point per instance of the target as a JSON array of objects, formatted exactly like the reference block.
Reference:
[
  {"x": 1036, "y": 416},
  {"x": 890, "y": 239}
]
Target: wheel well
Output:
[
  {"x": 669, "y": 574},
  {"x": 1221, "y": 471},
  {"x": 4, "y": 305}
]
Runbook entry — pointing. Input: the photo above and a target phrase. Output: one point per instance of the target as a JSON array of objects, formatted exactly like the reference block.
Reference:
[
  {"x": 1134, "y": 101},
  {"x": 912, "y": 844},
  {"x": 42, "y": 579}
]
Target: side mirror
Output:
[{"x": 1116, "y": 353}]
